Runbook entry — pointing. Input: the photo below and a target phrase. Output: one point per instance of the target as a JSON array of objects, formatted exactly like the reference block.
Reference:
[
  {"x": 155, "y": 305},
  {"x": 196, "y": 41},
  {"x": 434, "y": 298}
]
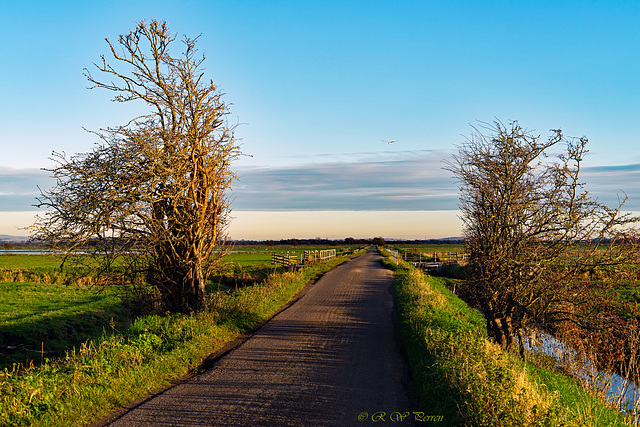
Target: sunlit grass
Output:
[
  {"x": 41, "y": 320},
  {"x": 467, "y": 379},
  {"x": 23, "y": 261}
]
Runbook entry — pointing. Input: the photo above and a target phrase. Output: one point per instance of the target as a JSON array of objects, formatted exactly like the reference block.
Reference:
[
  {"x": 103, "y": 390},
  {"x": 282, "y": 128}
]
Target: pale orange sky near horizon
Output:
[
  {"x": 263, "y": 225},
  {"x": 273, "y": 225}
]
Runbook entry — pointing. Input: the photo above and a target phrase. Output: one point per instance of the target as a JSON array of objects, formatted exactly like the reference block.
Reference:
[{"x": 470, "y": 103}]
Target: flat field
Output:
[
  {"x": 243, "y": 255},
  {"x": 430, "y": 248},
  {"x": 40, "y": 320},
  {"x": 37, "y": 261}
]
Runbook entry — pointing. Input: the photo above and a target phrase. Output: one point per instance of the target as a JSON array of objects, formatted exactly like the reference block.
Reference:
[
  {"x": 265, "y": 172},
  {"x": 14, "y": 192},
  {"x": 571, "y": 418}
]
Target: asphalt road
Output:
[{"x": 331, "y": 359}]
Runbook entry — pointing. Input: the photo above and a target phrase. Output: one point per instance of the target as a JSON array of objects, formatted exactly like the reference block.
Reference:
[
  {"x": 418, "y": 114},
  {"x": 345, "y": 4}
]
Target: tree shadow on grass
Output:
[{"x": 31, "y": 338}]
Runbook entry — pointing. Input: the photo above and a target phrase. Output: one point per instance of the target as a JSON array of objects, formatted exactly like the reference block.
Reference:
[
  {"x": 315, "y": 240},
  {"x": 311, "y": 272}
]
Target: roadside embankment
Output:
[{"x": 465, "y": 379}]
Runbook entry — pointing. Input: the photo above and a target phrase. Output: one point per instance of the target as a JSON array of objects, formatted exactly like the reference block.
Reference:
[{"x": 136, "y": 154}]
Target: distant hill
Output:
[{"x": 8, "y": 238}]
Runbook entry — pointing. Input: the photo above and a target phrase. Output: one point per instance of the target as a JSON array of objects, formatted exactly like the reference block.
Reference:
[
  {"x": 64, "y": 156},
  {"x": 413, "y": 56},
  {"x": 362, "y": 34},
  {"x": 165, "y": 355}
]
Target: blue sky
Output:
[{"x": 316, "y": 86}]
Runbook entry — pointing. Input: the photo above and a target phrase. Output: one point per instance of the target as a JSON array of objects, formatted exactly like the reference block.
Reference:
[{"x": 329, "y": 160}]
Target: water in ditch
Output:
[{"x": 623, "y": 392}]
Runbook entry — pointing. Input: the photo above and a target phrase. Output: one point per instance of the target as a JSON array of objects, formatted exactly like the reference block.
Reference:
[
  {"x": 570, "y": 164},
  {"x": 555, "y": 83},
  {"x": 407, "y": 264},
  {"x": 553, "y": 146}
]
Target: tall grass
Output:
[
  {"x": 101, "y": 375},
  {"x": 50, "y": 277},
  {"x": 463, "y": 377}
]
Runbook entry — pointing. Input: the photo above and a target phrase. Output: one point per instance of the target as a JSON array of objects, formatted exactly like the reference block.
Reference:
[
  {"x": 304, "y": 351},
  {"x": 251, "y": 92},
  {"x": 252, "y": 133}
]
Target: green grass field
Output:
[
  {"x": 249, "y": 258},
  {"x": 40, "y": 320},
  {"x": 31, "y": 262},
  {"x": 430, "y": 248},
  {"x": 243, "y": 255}
]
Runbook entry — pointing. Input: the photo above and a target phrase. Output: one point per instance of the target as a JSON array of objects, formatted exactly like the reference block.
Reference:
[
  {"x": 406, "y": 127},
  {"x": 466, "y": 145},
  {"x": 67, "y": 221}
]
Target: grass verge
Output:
[
  {"x": 467, "y": 380},
  {"x": 102, "y": 375}
]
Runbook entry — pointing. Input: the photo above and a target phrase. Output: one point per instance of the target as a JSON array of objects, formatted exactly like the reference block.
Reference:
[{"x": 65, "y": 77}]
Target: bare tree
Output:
[
  {"x": 151, "y": 199},
  {"x": 531, "y": 229}
]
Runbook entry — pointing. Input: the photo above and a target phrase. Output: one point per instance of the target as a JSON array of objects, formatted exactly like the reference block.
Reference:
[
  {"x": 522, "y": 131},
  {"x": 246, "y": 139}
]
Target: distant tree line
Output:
[{"x": 348, "y": 241}]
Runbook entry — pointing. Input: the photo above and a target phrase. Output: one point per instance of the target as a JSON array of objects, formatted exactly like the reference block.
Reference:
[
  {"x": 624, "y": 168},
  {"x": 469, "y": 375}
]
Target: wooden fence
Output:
[
  {"x": 413, "y": 255},
  {"x": 433, "y": 261},
  {"x": 307, "y": 257},
  {"x": 284, "y": 260},
  {"x": 316, "y": 256},
  {"x": 393, "y": 254}
]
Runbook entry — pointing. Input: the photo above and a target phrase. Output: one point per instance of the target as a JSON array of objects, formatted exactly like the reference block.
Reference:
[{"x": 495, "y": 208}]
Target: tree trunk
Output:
[
  {"x": 501, "y": 331},
  {"x": 199, "y": 294},
  {"x": 523, "y": 353}
]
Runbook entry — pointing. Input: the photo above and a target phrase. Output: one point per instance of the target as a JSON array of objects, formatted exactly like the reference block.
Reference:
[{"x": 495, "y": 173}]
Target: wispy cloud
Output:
[
  {"x": 19, "y": 188},
  {"x": 411, "y": 181},
  {"x": 611, "y": 184},
  {"x": 406, "y": 181}
]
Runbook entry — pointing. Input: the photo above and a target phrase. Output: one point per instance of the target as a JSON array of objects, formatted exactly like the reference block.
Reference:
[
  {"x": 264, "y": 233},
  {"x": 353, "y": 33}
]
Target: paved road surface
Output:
[{"x": 330, "y": 358}]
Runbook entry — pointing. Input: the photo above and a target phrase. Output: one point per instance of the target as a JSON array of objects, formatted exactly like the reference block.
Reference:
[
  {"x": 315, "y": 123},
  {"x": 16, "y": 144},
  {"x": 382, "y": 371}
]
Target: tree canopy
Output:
[
  {"x": 151, "y": 200},
  {"x": 531, "y": 229}
]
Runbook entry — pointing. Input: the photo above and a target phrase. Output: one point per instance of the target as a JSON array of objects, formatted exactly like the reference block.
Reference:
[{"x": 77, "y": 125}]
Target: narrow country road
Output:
[{"x": 331, "y": 359}]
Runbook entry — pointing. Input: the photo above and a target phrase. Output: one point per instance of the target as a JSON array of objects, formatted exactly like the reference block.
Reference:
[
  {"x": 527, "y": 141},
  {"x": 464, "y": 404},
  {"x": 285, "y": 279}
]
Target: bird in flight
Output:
[{"x": 389, "y": 142}]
